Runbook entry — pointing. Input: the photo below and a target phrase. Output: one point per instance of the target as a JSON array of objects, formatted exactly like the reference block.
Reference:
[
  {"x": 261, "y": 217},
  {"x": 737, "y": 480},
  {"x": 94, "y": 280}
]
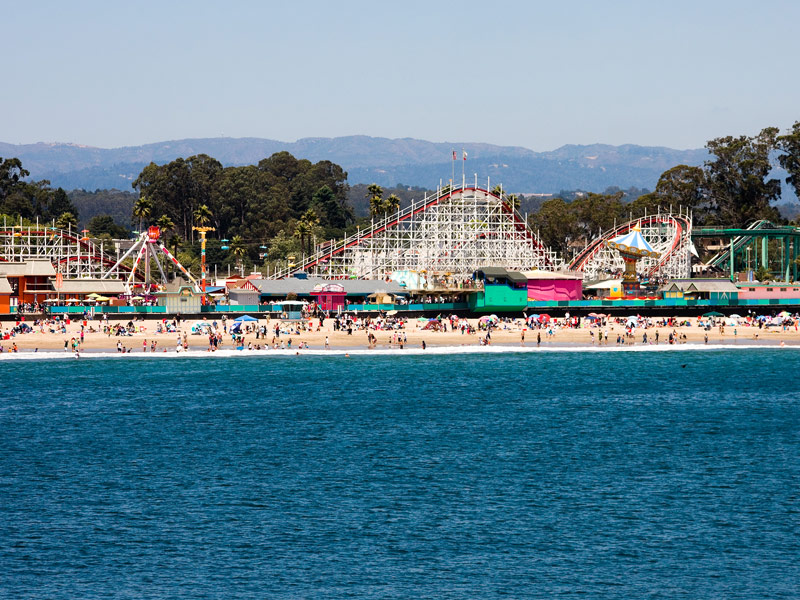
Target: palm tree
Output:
[
  {"x": 142, "y": 209},
  {"x": 392, "y": 204},
  {"x": 301, "y": 230},
  {"x": 165, "y": 223},
  {"x": 203, "y": 215},
  {"x": 375, "y": 196},
  {"x": 66, "y": 221},
  {"x": 309, "y": 221},
  {"x": 239, "y": 250},
  {"x": 174, "y": 242}
]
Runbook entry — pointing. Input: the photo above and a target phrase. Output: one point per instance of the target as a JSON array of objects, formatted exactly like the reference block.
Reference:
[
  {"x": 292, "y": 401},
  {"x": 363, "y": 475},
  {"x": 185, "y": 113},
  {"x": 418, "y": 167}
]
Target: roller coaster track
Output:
[
  {"x": 495, "y": 221},
  {"x": 669, "y": 234},
  {"x": 721, "y": 259},
  {"x": 61, "y": 248}
]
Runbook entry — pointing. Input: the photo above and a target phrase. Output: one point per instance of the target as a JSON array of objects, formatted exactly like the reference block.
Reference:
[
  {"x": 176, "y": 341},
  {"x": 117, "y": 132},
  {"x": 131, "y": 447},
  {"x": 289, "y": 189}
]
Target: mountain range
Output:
[{"x": 387, "y": 162}]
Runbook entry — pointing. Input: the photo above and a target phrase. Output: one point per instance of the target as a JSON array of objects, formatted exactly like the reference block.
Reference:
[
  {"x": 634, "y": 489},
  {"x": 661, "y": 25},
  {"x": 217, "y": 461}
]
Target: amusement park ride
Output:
[
  {"x": 453, "y": 233},
  {"x": 76, "y": 256},
  {"x": 147, "y": 246},
  {"x": 632, "y": 247},
  {"x": 457, "y": 231},
  {"x": 446, "y": 235}
]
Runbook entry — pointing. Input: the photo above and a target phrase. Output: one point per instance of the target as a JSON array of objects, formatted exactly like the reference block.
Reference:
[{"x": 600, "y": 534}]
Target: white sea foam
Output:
[{"x": 416, "y": 351}]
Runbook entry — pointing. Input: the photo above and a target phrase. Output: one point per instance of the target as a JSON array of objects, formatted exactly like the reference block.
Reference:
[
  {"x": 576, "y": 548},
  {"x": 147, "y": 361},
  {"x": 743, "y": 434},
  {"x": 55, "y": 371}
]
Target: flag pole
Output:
[
  {"x": 463, "y": 162},
  {"x": 453, "y": 174}
]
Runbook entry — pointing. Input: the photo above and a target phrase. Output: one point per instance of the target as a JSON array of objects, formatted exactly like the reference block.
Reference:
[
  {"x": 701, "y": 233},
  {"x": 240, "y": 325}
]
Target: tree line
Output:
[
  {"x": 32, "y": 200},
  {"x": 267, "y": 212},
  {"x": 733, "y": 188},
  {"x": 281, "y": 197}
]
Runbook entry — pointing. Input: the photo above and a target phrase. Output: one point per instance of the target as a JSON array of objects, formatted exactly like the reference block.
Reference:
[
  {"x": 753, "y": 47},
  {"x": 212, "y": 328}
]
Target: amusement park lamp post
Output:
[{"x": 203, "y": 230}]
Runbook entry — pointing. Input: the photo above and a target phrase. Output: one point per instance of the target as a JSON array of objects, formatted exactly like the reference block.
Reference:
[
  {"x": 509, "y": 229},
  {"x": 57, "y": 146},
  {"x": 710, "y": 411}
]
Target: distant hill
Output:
[{"x": 388, "y": 162}]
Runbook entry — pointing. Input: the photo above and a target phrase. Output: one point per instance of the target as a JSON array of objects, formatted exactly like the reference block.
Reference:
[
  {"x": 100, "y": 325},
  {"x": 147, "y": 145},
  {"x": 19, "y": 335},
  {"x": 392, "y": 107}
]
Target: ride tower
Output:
[{"x": 632, "y": 247}]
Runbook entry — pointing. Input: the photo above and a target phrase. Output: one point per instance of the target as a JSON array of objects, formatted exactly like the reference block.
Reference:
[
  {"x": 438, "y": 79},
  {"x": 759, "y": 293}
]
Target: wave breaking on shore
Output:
[{"x": 340, "y": 352}]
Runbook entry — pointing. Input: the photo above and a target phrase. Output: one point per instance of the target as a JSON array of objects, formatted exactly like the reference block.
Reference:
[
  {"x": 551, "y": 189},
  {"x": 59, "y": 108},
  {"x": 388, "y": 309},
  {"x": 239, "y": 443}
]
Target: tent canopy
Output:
[{"x": 245, "y": 319}]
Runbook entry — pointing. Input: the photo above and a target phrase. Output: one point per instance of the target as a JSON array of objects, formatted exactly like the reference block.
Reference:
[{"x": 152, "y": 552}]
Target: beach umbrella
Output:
[
  {"x": 93, "y": 295},
  {"x": 544, "y": 317},
  {"x": 785, "y": 313},
  {"x": 245, "y": 319},
  {"x": 713, "y": 313},
  {"x": 736, "y": 316},
  {"x": 102, "y": 298}
]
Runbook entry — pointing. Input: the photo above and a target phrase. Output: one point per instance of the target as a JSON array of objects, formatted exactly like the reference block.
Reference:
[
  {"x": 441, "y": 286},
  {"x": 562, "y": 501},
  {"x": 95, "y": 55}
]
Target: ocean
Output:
[{"x": 549, "y": 474}]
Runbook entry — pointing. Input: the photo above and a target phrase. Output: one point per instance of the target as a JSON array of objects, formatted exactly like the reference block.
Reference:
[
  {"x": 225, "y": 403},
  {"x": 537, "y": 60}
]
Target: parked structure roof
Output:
[{"x": 29, "y": 268}]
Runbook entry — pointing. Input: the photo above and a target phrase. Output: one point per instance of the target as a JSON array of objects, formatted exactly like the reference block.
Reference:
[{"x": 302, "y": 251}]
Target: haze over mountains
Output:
[{"x": 387, "y": 162}]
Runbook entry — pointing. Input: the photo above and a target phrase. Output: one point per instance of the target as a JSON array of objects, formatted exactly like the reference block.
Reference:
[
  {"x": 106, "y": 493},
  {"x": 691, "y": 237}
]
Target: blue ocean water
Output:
[{"x": 540, "y": 475}]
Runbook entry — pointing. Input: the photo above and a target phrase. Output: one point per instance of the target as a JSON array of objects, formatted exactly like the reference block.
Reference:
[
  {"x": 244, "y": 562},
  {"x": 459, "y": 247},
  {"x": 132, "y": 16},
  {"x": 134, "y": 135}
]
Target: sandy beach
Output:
[{"x": 506, "y": 334}]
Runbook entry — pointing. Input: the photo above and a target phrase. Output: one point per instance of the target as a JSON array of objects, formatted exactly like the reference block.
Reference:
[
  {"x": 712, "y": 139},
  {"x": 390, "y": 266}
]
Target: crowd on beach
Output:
[{"x": 383, "y": 330}]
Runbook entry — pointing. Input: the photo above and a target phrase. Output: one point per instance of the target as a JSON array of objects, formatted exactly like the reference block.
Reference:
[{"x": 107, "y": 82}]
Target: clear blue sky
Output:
[{"x": 533, "y": 74}]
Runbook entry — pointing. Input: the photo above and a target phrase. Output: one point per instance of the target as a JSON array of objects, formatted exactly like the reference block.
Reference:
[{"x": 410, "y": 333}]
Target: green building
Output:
[{"x": 503, "y": 290}]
